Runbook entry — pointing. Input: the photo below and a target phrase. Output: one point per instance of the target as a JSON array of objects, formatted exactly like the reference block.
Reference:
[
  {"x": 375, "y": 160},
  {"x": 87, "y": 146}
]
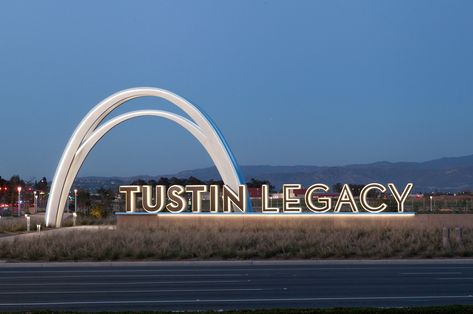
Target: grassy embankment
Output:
[{"x": 269, "y": 239}]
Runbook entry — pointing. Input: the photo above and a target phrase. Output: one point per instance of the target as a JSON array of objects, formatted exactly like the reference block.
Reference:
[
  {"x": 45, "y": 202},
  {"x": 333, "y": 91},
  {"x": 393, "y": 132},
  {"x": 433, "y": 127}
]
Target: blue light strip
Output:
[{"x": 229, "y": 153}]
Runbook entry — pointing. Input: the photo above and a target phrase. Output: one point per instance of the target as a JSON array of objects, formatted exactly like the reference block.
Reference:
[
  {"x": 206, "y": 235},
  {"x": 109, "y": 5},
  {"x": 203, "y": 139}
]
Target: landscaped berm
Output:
[{"x": 199, "y": 238}]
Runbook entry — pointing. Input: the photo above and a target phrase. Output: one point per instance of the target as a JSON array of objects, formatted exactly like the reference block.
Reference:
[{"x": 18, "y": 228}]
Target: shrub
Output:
[{"x": 97, "y": 212}]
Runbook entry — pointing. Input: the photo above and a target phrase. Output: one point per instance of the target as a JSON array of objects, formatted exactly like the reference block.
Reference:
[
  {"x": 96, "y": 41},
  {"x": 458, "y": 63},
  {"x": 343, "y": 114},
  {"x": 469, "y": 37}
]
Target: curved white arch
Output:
[
  {"x": 92, "y": 140},
  {"x": 88, "y": 133}
]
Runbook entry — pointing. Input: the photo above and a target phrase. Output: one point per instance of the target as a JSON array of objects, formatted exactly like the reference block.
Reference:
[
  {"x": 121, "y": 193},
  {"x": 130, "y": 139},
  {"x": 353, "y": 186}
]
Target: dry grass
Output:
[
  {"x": 240, "y": 240},
  {"x": 18, "y": 224}
]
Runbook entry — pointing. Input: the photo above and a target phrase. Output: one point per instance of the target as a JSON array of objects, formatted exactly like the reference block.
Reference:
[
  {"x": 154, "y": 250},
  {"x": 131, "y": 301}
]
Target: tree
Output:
[
  {"x": 193, "y": 181},
  {"x": 356, "y": 189},
  {"x": 337, "y": 187},
  {"x": 83, "y": 199},
  {"x": 214, "y": 182},
  {"x": 106, "y": 198},
  {"x": 177, "y": 181},
  {"x": 12, "y": 185},
  {"x": 255, "y": 183},
  {"x": 138, "y": 182},
  {"x": 16, "y": 181},
  {"x": 163, "y": 181},
  {"x": 42, "y": 185},
  {"x": 3, "y": 189}
]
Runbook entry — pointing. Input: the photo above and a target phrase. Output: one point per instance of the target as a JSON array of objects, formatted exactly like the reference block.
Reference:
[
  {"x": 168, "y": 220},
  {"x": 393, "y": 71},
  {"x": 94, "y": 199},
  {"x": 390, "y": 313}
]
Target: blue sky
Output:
[{"x": 288, "y": 82}]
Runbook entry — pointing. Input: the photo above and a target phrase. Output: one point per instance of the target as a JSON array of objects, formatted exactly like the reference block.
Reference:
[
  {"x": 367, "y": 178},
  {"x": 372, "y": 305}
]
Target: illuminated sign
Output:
[{"x": 174, "y": 199}]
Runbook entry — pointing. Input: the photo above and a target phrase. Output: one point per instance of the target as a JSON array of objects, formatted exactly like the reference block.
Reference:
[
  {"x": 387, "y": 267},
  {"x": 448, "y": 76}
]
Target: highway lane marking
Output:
[
  {"x": 120, "y": 283},
  {"x": 128, "y": 276},
  {"x": 180, "y": 301},
  {"x": 135, "y": 291},
  {"x": 432, "y": 273},
  {"x": 229, "y": 269},
  {"x": 257, "y": 269}
]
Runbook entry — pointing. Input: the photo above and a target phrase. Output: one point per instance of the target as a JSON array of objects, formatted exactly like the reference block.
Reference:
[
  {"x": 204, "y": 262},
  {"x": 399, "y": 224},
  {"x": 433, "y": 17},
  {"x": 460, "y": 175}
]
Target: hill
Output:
[{"x": 453, "y": 174}]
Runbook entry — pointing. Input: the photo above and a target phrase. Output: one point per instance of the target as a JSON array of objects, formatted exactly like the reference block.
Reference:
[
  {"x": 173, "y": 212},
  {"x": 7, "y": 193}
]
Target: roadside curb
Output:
[{"x": 5, "y": 264}]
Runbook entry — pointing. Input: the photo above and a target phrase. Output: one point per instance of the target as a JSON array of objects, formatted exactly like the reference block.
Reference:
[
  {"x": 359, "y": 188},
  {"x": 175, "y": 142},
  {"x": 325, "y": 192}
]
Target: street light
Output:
[
  {"x": 35, "y": 202},
  {"x": 75, "y": 200},
  {"x": 431, "y": 202},
  {"x": 19, "y": 200}
]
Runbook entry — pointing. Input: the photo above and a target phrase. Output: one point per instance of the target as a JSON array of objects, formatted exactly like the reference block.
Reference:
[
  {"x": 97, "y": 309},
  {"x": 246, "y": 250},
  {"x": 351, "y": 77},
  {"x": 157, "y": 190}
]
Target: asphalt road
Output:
[{"x": 198, "y": 286}]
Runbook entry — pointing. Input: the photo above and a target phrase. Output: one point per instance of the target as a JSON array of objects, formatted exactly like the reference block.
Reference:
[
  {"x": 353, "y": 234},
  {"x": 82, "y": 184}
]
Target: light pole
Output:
[
  {"x": 19, "y": 200},
  {"x": 35, "y": 202},
  {"x": 431, "y": 202},
  {"x": 75, "y": 200}
]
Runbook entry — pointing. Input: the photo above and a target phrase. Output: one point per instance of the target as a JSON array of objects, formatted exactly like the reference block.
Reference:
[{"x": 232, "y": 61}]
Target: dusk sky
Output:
[{"x": 287, "y": 82}]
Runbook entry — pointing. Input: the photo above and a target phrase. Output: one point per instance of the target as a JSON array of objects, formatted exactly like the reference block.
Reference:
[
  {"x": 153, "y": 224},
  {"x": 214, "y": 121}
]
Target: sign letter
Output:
[{"x": 400, "y": 199}]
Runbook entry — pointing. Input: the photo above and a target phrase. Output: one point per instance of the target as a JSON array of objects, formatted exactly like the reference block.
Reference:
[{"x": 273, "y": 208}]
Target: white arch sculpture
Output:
[{"x": 90, "y": 131}]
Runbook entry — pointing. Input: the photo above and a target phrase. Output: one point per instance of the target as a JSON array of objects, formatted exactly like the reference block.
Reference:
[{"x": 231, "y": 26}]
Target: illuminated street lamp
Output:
[
  {"x": 35, "y": 202},
  {"x": 19, "y": 200},
  {"x": 75, "y": 200},
  {"x": 431, "y": 202}
]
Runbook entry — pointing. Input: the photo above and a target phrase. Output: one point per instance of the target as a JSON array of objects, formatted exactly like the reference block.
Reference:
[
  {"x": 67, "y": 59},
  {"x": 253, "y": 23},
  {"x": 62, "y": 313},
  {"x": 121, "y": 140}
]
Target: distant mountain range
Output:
[{"x": 454, "y": 174}]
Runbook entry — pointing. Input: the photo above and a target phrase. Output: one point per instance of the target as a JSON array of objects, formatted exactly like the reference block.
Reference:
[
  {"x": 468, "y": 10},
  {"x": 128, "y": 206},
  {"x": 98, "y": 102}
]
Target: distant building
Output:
[{"x": 254, "y": 192}]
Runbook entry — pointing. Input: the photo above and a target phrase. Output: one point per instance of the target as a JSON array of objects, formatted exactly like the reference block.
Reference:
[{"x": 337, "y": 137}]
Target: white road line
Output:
[
  {"x": 181, "y": 301},
  {"x": 126, "y": 276},
  {"x": 456, "y": 278},
  {"x": 433, "y": 273},
  {"x": 41, "y": 270},
  {"x": 132, "y": 291},
  {"x": 119, "y": 283}
]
